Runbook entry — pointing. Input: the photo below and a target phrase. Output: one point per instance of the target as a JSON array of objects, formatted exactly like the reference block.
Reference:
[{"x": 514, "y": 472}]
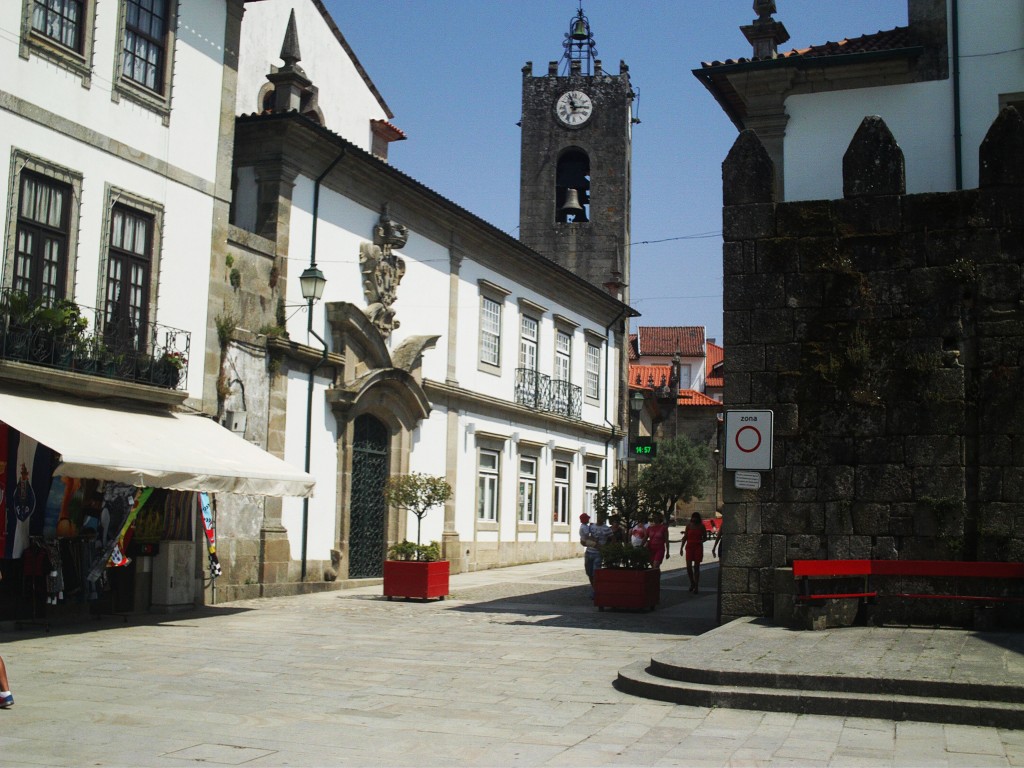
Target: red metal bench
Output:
[{"x": 805, "y": 570}]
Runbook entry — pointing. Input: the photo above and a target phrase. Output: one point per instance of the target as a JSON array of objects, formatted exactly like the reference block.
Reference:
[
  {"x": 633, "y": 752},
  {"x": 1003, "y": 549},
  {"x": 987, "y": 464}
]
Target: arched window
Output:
[{"x": 572, "y": 176}]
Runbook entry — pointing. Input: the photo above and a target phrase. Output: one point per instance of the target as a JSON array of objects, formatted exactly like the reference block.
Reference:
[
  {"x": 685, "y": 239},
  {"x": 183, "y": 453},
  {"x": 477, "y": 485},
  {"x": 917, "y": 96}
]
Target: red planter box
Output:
[
  {"x": 622, "y": 588},
  {"x": 412, "y": 578}
]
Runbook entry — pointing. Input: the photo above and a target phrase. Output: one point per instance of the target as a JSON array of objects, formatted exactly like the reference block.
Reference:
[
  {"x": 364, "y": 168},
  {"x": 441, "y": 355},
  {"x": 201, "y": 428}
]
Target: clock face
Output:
[{"x": 574, "y": 108}]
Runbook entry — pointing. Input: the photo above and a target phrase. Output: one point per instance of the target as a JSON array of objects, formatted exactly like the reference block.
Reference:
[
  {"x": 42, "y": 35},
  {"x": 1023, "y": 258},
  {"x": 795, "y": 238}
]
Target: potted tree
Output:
[
  {"x": 625, "y": 578},
  {"x": 415, "y": 570},
  {"x": 678, "y": 473}
]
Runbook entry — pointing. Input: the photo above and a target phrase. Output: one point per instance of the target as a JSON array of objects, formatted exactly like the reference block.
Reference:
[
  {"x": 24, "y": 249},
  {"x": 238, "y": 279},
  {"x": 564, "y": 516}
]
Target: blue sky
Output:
[{"x": 450, "y": 70}]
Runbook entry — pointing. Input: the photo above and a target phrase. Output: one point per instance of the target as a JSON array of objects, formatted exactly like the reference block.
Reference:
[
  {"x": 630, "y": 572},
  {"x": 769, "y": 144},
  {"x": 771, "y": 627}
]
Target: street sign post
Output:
[{"x": 748, "y": 440}]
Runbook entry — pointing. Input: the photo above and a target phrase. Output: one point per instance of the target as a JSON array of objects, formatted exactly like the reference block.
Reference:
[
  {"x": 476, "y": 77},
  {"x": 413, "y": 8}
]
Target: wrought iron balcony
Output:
[
  {"x": 69, "y": 337},
  {"x": 539, "y": 391}
]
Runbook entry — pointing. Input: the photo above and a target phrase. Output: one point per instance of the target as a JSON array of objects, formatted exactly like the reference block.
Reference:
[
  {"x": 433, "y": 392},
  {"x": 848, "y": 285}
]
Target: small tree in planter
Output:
[
  {"x": 424, "y": 553},
  {"x": 625, "y": 578},
  {"x": 415, "y": 570},
  {"x": 630, "y": 501},
  {"x": 417, "y": 493}
]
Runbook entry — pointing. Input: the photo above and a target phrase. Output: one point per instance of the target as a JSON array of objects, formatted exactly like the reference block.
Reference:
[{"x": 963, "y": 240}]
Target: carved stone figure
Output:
[{"x": 382, "y": 271}]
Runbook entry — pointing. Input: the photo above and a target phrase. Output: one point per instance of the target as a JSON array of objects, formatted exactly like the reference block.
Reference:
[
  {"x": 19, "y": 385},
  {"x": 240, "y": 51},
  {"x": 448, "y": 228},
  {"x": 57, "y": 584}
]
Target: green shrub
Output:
[
  {"x": 625, "y": 556},
  {"x": 406, "y": 550}
]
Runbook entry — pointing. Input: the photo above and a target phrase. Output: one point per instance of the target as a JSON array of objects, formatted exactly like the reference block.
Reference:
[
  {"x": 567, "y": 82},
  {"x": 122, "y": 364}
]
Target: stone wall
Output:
[{"x": 886, "y": 332}]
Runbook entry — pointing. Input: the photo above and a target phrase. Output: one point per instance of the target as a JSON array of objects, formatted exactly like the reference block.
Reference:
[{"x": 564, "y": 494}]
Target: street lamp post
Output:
[{"x": 311, "y": 282}]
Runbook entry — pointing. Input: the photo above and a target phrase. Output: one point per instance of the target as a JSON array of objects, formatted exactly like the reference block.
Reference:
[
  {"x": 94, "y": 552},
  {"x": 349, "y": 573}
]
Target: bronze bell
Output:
[{"x": 572, "y": 202}]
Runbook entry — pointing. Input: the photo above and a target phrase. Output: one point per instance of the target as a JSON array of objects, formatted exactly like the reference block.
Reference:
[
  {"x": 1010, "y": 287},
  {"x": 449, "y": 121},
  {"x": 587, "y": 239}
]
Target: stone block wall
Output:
[{"x": 886, "y": 332}]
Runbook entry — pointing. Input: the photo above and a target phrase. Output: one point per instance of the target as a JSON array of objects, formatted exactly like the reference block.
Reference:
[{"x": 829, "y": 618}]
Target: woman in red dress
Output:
[
  {"x": 657, "y": 540},
  {"x": 693, "y": 549}
]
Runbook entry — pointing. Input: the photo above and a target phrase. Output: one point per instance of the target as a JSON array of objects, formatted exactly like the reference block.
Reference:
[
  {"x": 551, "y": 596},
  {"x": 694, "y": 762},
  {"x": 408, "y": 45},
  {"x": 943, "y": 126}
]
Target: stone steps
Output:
[{"x": 1000, "y": 706}]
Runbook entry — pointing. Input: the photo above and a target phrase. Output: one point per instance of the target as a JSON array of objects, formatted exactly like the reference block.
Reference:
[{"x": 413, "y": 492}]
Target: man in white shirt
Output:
[{"x": 593, "y": 536}]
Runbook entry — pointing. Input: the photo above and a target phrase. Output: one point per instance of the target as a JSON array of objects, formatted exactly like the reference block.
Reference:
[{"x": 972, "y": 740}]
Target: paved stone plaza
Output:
[{"x": 516, "y": 668}]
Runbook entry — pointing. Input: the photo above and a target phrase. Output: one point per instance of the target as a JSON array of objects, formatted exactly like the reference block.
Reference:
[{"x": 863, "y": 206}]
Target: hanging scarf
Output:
[
  {"x": 206, "y": 506},
  {"x": 115, "y": 496}
]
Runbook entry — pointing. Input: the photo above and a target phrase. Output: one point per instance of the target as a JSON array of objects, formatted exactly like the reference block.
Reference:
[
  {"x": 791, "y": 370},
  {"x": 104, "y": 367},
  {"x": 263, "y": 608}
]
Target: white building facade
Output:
[
  {"x": 440, "y": 345},
  {"x": 116, "y": 121},
  {"x": 112, "y": 115}
]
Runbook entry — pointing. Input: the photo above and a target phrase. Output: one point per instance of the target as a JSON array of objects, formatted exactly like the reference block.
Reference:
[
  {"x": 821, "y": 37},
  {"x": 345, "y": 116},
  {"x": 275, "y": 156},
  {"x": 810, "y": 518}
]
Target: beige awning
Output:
[{"x": 151, "y": 449}]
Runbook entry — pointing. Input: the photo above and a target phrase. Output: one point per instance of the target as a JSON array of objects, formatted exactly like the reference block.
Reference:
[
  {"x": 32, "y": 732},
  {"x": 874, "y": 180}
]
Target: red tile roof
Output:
[
  {"x": 713, "y": 376},
  {"x": 650, "y": 377},
  {"x": 887, "y": 40},
  {"x": 646, "y": 376},
  {"x": 667, "y": 340},
  {"x": 693, "y": 397},
  {"x": 715, "y": 354},
  {"x": 387, "y": 131},
  {"x": 883, "y": 40},
  {"x": 633, "y": 354}
]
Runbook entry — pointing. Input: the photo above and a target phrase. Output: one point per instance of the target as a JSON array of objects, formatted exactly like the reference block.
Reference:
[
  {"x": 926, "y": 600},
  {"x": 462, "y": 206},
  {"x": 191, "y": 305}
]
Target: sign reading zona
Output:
[{"x": 748, "y": 440}]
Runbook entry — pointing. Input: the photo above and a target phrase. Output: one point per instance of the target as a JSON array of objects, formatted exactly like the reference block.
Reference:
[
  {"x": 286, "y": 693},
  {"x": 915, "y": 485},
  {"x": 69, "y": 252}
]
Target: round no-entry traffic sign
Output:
[{"x": 748, "y": 440}]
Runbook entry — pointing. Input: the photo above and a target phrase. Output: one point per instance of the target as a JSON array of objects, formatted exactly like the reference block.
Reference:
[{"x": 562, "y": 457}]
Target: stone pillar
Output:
[
  {"x": 275, "y": 551},
  {"x": 873, "y": 164}
]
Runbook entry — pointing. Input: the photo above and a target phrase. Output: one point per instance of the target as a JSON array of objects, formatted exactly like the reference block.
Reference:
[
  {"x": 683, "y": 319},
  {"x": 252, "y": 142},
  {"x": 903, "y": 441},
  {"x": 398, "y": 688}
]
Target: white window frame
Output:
[
  {"x": 529, "y": 330},
  {"x": 527, "y": 498},
  {"x": 592, "y": 375},
  {"x": 561, "y": 492},
  {"x": 563, "y": 356},
  {"x": 488, "y": 486},
  {"x": 490, "y": 332},
  {"x": 591, "y": 485},
  {"x": 685, "y": 375}
]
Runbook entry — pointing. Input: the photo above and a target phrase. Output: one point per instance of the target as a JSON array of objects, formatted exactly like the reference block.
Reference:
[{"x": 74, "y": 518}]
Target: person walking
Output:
[
  {"x": 657, "y": 540},
  {"x": 6, "y": 697},
  {"x": 718, "y": 533},
  {"x": 593, "y": 537},
  {"x": 692, "y": 547}
]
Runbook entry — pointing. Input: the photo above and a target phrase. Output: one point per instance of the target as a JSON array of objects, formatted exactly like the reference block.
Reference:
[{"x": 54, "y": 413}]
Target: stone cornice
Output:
[
  {"x": 736, "y": 85},
  {"x": 130, "y": 154},
  {"x": 86, "y": 387},
  {"x": 303, "y": 352}
]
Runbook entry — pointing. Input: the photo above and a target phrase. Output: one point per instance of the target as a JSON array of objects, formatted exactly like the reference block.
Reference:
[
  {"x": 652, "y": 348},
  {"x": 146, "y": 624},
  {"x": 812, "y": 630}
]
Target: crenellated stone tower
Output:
[{"x": 574, "y": 187}]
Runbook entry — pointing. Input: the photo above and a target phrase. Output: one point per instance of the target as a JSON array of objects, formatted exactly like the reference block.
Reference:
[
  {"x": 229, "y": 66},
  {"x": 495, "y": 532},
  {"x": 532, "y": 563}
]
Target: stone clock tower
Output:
[{"x": 574, "y": 183}]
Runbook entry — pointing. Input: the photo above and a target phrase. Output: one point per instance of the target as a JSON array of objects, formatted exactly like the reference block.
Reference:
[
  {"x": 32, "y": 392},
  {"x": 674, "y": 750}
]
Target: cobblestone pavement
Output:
[{"x": 516, "y": 668}]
